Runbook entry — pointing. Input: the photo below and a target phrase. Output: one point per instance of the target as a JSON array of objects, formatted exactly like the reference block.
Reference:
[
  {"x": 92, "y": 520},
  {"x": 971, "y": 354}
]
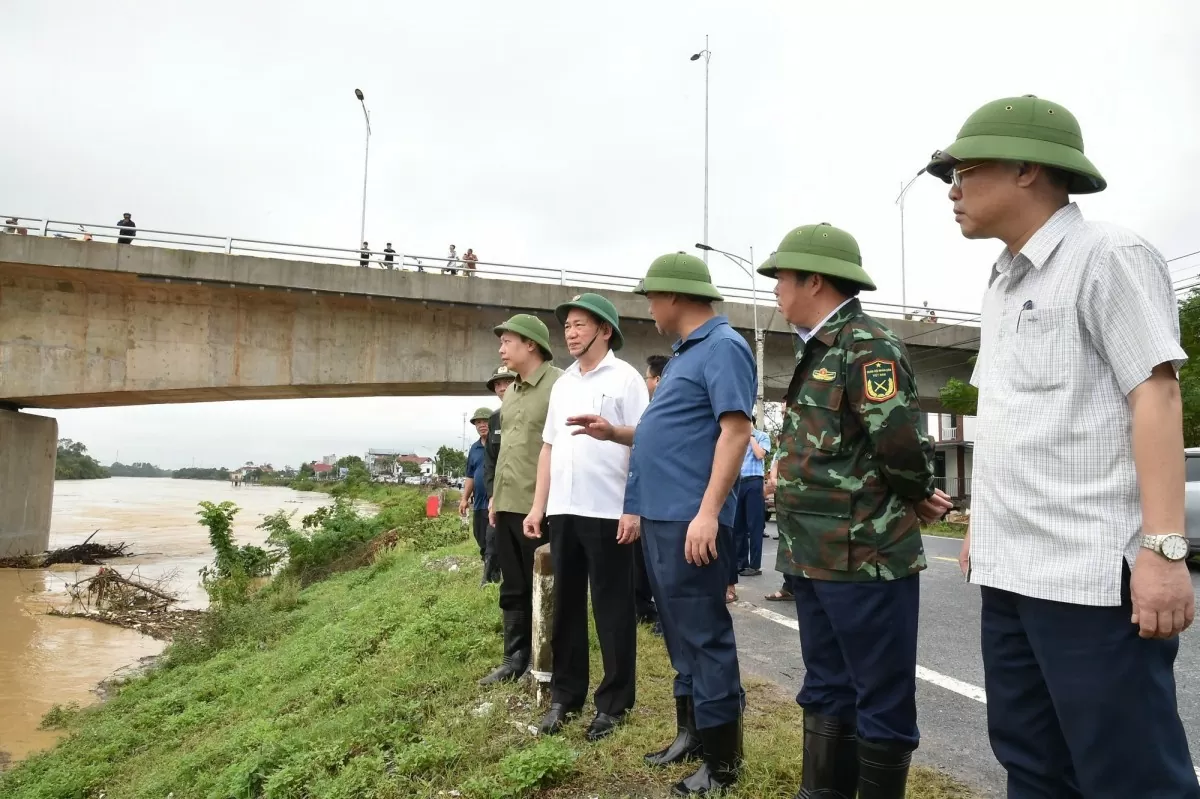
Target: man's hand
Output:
[
  {"x": 491, "y": 511},
  {"x": 935, "y": 507},
  {"x": 629, "y": 528},
  {"x": 462, "y": 505},
  {"x": 1164, "y": 602},
  {"x": 700, "y": 547},
  {"x": 593, "y": 425},
  {"x": 964, "y": 554},
  {"x": 532, "y": 525}
]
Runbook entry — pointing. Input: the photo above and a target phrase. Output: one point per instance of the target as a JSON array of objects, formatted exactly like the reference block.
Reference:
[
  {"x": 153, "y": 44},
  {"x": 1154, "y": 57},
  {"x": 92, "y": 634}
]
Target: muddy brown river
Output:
[{"x": 46, "y": 660}]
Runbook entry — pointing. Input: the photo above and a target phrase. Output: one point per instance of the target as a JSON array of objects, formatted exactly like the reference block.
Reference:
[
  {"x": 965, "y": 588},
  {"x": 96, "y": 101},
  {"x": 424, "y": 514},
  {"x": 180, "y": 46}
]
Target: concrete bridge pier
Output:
[{"x": 28, "y": 447}]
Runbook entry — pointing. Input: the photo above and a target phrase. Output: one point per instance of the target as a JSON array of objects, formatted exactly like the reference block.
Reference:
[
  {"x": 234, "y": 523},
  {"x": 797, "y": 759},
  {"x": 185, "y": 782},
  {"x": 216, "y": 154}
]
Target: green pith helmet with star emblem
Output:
[
  {"x": 679, "y": 273},
  {"x": 481, "y": 413},
  {"x": 532, "y": 328},
  {"x": 501, "y": 373},
  {"x": 1027, "y": 129},
  {"x": 820, "y": 249},
  {"x": 597, "y": 306}
]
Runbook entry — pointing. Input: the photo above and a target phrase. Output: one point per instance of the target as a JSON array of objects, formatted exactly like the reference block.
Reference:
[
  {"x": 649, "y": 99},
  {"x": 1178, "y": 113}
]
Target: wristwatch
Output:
[{"x": 1171, "y": 546}]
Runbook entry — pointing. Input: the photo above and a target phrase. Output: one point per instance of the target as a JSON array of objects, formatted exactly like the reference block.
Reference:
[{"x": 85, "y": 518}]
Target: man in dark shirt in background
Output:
[
  {"x": 128, "y": 230},
  {"x": 389, "y": 255},
  {"x": 501, "y": 379}
]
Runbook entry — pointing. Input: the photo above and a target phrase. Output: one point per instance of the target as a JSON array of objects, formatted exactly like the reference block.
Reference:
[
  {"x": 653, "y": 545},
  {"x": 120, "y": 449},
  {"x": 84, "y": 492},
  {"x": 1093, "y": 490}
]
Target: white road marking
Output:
[{"x": 928, "y": 675}]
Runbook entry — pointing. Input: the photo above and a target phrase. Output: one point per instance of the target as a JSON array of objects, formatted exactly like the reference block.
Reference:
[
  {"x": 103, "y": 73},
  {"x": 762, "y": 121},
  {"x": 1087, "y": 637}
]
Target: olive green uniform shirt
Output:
[{"x": 522, "y": 418}]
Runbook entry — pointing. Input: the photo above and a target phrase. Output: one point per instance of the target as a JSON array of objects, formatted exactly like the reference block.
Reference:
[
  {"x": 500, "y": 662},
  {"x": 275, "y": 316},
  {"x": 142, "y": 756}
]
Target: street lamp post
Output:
[
  {"x": 904, "y": 187},
  {"x": 707, "y": 55},
  {"x": 742, "y": 264},
  {"x": 362, "y": 230}
]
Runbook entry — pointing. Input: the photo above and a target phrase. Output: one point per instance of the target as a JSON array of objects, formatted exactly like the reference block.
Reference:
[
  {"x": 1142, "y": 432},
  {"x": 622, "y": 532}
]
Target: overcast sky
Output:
[{"x": 553, "y": 133}]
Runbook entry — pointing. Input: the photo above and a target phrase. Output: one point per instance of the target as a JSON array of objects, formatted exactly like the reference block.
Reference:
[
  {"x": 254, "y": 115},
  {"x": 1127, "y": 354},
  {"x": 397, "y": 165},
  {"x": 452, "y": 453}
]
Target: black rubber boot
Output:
[
  {"x": 882, "y": 770},
  {"x": 516, "y": 648},
  {"x": 722, "y": 762},
  {"x": 830, "y": 759},
  {"x": 686, "y": 745}
]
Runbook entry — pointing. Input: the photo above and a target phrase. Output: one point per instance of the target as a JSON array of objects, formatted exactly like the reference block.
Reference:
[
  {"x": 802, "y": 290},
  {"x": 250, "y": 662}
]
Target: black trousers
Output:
[
  {"x": 643, "y": 594},
  {"x": 585, "y": 553},
  {"x": 514, "y": 552},
  {"x": 479, "y": 526},
  {"x": 1078, "y": 704}
]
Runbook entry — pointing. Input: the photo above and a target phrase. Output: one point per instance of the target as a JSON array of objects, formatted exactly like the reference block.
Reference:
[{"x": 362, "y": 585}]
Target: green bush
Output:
[{"x": 229, "y": 577}]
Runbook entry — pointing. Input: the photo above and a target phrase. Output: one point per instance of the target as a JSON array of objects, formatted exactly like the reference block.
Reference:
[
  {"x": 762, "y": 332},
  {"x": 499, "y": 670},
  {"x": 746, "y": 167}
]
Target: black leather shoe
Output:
[
  {"x": 750, "y": 572},
  {"x": 603, "y": 726},
  {"x": 722, "y": 762},
  {"x": 555, "y": 718},
  {"x": 686, "y": 745},
  {"x": 882, "y": 770},
  {"x": 657, "y": 629},
  {"x": 830, "y": 758}
]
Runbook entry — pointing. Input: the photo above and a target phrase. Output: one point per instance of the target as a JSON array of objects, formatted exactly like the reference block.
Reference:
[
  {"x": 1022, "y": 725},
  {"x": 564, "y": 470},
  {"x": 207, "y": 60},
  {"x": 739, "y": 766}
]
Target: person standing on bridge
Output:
[
  {"x": 1076, "y": 534},
  {"x": 474, "y": 492},
  {"x": 364, "y": 257},
  {"x": 452, "y": 261},
  {"x": 499, "y": 382},
  {"x": 581, "y": 490},
  {"x": 855, "y": 478},
  {"x": 524, "y": 348},
  {"x": 128, "y": 229},
  {"x": 469, "y": 261},
  {"x": 389, "y": 256},
  {"x": 687, "y": 451}
]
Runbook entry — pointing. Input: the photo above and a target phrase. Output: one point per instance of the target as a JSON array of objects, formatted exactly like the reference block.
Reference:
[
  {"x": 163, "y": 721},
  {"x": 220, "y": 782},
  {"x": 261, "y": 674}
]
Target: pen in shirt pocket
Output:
[{"x": 1028, "y": 306}]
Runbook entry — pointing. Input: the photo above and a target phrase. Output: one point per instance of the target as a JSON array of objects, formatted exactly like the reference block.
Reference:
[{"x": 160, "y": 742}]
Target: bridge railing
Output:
[{"x": 407, "y": 262}]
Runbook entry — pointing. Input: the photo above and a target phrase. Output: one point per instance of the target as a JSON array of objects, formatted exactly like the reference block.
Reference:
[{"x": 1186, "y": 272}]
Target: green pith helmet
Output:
[
  {"x": 821, "y": 249},
  {"x": 532, "y": 328},
  {"x": 481, "y": 413},
  {"x": 501, "y": 373},
  {"x": 679, "y": 273},
  {"x": 1022, "y": 129},
  {"x": 599, "y": 307}
]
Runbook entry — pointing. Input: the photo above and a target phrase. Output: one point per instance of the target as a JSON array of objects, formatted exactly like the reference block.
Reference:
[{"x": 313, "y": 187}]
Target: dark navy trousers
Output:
[
  {"x": 750, "y": 521},
  {"x": 697, "y": 627},
  {"x": 1080, "y": 707},
  {"x": 859, "y": 643}
]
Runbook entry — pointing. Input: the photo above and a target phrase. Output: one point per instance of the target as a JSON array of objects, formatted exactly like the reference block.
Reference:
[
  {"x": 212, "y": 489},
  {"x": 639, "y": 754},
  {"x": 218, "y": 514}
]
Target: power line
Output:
[{"x": 1181, "y": 257}]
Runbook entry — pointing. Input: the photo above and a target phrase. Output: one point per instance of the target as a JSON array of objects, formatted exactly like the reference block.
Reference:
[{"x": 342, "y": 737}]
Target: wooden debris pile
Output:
[{"x": 87, "y": 553}]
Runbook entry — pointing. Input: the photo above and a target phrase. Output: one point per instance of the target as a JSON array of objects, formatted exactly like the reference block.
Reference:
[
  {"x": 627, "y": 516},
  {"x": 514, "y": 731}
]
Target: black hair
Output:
[
  {"x": 847, "y": 288},
  {"x": 657, "y": 363},
  {"x": 545, "y": 353}
]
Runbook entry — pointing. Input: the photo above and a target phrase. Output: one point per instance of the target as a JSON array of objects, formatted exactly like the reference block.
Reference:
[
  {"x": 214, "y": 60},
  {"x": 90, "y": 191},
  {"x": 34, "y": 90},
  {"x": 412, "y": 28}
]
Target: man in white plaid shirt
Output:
[{"x": 1077, "y": 520}]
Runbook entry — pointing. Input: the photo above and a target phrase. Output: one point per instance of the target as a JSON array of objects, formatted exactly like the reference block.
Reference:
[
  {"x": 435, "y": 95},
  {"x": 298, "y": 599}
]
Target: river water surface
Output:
[{"x": 46, "y": 660}]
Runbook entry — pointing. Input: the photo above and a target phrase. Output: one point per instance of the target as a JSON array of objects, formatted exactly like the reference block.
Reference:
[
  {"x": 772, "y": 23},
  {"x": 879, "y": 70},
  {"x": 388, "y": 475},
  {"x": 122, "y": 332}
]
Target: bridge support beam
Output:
[{"x": 28, "y": 446}]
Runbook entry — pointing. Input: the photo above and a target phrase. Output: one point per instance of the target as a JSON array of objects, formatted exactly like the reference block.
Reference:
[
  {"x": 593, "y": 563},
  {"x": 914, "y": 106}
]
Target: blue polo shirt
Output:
[
  {"x": 751, "y": 465},
  {"x": 712, "y": 373},
  {"x": 475, "y": 472}
]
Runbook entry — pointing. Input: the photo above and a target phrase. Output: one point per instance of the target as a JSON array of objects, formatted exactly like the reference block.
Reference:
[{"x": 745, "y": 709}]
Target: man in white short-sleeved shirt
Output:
[
  {"x": 1077, "y": 502},
  {"x": 581, "y": 490}
]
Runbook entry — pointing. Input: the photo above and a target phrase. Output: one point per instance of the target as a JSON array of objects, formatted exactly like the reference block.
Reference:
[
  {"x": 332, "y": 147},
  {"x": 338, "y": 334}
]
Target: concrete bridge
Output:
[{"x": 86, "y": 324}]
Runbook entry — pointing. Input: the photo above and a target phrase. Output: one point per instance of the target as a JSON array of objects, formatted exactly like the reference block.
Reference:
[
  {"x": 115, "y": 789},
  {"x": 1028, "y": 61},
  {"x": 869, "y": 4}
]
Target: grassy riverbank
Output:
[{"x": 363, "y": 685}]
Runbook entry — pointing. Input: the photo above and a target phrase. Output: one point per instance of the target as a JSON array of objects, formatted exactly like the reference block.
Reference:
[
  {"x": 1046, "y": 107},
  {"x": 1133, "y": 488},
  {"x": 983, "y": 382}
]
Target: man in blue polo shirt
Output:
[
  {"x": 475, "y": 493},
  {"x": 687, "y": 453}
]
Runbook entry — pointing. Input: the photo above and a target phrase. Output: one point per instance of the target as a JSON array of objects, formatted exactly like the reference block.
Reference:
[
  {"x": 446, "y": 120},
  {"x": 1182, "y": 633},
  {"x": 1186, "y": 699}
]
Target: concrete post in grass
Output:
[{"x": 542, "y": 662}]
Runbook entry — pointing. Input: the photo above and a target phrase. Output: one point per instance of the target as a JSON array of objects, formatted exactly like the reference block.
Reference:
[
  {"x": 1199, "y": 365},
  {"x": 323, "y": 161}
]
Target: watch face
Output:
[{"x": 1175, "y": 547}]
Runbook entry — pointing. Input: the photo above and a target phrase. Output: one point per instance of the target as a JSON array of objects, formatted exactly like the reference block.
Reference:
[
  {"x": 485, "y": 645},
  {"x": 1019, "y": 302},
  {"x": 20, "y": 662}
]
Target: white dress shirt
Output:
[
  {"x": 587, "y": 477},
  {"x": 1071, "y": 325}
]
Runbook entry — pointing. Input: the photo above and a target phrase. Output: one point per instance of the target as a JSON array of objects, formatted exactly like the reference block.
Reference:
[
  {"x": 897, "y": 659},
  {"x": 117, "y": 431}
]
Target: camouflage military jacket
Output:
[{"x": 854, "y": 456}]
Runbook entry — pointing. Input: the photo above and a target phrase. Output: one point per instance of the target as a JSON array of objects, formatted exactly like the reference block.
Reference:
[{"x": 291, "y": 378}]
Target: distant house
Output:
[
  {"x": 954, "y": 455},
  {"x": 322, "y": 471},
  {"x": 425, "y": 465}
]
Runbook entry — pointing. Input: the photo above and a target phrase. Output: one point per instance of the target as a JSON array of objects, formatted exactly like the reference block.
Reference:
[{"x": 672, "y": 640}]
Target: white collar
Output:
[
  {"x": 607, "y": 360},
  {"x": 806, "y": 333}
]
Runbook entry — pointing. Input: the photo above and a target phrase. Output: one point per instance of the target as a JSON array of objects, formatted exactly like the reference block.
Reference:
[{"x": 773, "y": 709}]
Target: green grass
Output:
[
  {"x": 363, "y": 686},
  {"x": 945, "y": 529}
]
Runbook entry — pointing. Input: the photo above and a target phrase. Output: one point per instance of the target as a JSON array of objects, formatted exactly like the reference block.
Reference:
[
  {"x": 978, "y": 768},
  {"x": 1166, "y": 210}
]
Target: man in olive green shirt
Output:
[{"x": 525, "y": 349}]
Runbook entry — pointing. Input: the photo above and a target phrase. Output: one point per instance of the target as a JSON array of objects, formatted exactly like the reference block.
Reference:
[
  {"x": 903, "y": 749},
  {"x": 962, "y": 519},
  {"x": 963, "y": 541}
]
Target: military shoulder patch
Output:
[
  {"x": 824, "y": 375},
  {"x": 879, "y": 377}
]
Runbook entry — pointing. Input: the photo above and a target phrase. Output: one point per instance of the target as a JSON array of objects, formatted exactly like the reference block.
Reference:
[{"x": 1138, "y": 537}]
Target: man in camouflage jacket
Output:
[{"x": 855, "y": 478}]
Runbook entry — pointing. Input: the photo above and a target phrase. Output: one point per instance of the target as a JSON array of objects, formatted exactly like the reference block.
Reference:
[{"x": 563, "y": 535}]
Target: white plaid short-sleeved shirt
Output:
[{"x": 1072, "y": 324}]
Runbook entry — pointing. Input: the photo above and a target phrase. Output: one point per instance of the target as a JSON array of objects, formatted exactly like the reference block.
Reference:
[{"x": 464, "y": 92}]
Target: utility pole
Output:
[
  {"x": 362, "y": 230},
  {"x": 707, "y": 55}
]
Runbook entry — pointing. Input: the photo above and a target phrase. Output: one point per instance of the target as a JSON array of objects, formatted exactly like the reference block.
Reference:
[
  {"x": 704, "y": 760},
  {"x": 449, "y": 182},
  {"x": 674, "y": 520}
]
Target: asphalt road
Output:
[{"x": 952, "y": 721}]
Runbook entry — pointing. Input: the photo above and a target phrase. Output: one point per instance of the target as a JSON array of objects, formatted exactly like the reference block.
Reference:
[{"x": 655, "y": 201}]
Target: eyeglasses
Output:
[{"x": 956, "y": 174}]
